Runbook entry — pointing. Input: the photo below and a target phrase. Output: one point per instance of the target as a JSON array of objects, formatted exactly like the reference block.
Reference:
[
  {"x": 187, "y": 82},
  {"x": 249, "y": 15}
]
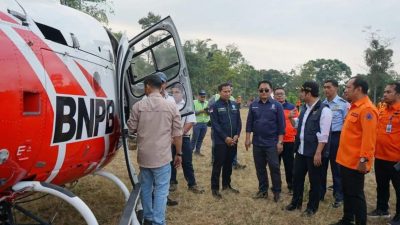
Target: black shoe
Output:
[
  {"x": 395, "y": 220},
  {"x": 308, "y": 213},
  {"x": 377, "y": 213},
  {"x": 216, "y": 194},
  {"x": 231, "y": 189},
  {"x": 342, "y": 222},
  {"x": 147, "y": 222},
  {"x": 196, "y": 189},
  {"x": 171, "y": 202},
  {"x": 277, "y": 196},
  {"x": 337, "y": 204},
  {"x": 239, "y": 166},
  {"x": 261, "y": 194},
  {"x": 292, "y": 207}
]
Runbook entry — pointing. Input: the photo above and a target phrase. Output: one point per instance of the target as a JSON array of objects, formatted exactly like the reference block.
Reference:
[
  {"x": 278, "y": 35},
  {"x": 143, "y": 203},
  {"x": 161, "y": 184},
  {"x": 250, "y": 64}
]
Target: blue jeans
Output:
[
  {"x": 199, "y": 132},
  {"x": 155, "y": 181}
]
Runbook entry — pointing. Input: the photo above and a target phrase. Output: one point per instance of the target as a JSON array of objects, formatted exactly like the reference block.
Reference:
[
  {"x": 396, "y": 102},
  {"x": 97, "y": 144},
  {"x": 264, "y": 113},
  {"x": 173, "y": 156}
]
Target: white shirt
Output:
[
  {"x": 324, "y": 123},
  {"x": 187, "y": 119}
]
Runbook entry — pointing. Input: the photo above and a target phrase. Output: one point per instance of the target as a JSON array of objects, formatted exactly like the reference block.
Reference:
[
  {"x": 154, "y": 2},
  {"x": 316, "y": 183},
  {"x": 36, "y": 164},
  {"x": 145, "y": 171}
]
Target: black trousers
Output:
[
  {"x": 263, "y": 156},
  {"x": 288, "y": 159},
  {"x": 302, "y": 165},
  {"x": 335, "y": 169},
  {"x": 384, "y": 173},
  {"x": 223, "y": 158},
  {"x": 187, "y": 163},
  {"x": 354, "y": 205}
]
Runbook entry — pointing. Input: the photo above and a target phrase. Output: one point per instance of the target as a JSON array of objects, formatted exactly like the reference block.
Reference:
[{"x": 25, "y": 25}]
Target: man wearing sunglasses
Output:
[{"x": 266, "y": 121}]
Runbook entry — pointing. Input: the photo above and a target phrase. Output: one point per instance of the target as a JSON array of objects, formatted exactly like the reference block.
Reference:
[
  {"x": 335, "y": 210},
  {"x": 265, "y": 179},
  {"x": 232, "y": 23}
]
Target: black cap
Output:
[
  {"x": 202, "y": 92},
  {"x": 312, "y": 87}
]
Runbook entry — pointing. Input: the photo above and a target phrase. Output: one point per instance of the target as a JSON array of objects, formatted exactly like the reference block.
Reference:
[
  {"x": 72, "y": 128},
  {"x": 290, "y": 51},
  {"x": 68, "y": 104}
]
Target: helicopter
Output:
[{"x": 66, "y": 88}]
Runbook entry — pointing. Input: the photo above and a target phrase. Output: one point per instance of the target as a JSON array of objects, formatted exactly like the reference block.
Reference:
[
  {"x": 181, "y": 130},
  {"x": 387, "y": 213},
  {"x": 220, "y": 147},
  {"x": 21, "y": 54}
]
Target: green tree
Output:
[
  {"x": 378, "y": 58},
  {"x": 96, "y": 8},
  {"x": 149, "y": 20},
  {"x": 323, "y": 69}
]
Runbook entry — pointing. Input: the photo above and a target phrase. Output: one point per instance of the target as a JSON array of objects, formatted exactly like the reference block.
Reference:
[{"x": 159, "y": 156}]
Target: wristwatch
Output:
[
  {"x": 363, "y": 160},
  {"x": 179, "y": 154}
]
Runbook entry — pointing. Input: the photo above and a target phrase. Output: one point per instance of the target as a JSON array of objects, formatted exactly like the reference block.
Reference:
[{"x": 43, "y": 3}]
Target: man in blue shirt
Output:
[
  {"x": 266, "y": 121},
  {"x": 226, "y": 125},
  {"x": 339, "y": 108}
]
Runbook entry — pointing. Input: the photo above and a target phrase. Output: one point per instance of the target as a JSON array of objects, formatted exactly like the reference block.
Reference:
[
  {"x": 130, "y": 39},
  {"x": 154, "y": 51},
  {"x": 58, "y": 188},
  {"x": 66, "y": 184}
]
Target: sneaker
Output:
[
  {"x": 216, "y": 194},
  {"x": 337, "y": 204},
  {"x": 395, "y": 220},
  {"x": 261, "y": 194},
  {"x": 173, "y": 187},
  {"x": 277, "y": 196},
  {"x": 171, "y": 202},
  {"x": 239, "y": 166},
  {"x": 231, "y": 189},
  {"x": 196, "y": 189},
  {"x": 377, "y": 213}
]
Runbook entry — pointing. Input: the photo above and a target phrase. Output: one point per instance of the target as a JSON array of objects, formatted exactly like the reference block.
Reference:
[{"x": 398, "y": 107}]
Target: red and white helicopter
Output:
[{"x": 66, "y": 86}]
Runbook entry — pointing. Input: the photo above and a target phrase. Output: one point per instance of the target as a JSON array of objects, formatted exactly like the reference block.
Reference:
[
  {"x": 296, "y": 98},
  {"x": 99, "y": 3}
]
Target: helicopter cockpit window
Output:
[{"x": 155, "y": 53}]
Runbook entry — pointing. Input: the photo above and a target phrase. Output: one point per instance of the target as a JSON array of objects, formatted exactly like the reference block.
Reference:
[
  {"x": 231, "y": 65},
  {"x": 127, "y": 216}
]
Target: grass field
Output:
[{"x": 106, "y": 200}]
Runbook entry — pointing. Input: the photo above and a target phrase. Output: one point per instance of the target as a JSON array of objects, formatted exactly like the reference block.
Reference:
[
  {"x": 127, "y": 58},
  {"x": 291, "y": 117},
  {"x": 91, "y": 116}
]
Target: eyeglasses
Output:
[{"x": 261, "y": 90}]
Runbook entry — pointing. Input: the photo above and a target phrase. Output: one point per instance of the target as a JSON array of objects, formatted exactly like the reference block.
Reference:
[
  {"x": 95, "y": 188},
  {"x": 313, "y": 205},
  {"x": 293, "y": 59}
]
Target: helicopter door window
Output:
[{"x": 156, "y": 52}]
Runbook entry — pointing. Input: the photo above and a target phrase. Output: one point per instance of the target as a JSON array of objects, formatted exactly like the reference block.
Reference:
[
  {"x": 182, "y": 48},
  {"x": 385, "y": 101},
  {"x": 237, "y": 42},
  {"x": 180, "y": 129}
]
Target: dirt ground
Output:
[{"x": 107, "y": 201}]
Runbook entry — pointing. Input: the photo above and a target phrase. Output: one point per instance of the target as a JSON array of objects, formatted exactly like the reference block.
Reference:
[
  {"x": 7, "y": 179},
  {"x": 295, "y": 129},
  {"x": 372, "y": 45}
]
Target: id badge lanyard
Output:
[{"x": 389, "y": 125}]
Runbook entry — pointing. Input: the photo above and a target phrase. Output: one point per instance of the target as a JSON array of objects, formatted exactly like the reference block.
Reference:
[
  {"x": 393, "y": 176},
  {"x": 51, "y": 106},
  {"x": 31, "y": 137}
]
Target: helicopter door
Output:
[{"x": 158, "y": 49}]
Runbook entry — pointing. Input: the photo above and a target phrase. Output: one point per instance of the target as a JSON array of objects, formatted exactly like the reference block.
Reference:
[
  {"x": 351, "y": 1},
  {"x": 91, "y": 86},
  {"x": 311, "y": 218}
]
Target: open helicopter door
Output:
[{"x": 157, "y": 49}]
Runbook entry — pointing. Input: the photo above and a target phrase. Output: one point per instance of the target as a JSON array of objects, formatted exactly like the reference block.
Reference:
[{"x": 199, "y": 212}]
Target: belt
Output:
[
  {"x": 186, "y": 136},
  {"x": 336, "y": 132}
]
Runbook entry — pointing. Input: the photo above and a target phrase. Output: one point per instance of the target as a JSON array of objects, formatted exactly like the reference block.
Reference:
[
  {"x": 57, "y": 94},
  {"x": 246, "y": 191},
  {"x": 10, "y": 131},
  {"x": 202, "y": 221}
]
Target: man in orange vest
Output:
[
  {"x": 356, "y": 150},
  {"x": 387, "y": 154}
]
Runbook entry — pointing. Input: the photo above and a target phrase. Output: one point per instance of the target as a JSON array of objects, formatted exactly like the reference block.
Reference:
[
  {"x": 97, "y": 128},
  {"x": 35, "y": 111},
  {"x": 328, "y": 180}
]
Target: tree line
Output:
[{"x": 210, "y": 65}]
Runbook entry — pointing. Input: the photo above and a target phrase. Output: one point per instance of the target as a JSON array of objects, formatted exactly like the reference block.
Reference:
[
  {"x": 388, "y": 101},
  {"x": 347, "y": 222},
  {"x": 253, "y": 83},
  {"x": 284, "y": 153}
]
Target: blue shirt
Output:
[
  {"x": 266, "y": 121},
  {"x": 339, "y": 108}
]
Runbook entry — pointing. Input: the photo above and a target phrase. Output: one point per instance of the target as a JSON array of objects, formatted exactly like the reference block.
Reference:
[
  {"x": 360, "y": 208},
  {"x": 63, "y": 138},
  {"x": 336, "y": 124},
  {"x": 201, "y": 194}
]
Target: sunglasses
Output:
[{"x": 261, "y": 90}]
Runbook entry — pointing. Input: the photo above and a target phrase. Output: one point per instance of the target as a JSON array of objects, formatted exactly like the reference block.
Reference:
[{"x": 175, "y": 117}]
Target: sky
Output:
[{"x": 276, "y": 34}]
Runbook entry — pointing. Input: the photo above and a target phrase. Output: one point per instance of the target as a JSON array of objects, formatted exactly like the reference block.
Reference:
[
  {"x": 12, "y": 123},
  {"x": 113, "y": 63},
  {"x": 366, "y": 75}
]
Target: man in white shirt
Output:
[
  {"x": 313, "y": 131},
  {"x": 187, "y": 124}
]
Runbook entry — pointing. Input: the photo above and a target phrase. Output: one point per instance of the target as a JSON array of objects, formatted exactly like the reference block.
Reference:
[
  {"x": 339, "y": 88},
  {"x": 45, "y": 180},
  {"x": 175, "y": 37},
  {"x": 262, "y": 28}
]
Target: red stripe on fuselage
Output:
[
  {"x": 93, "y": 83},
  {"x": 7, "y": 18},
  {"x": 62, "y": 79}
]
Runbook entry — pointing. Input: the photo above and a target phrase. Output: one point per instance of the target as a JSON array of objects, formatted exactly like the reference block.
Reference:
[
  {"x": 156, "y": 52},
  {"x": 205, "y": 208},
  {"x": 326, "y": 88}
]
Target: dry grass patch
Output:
[{"x": 106, "y": 200}]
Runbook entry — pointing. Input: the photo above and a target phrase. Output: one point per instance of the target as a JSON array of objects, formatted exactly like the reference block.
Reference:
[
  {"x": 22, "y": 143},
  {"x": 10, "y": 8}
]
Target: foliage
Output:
[
  {"x": 96, "y": 8},
  {"x": 150, "y": 20},
  {"x": 378, "y": 58}
]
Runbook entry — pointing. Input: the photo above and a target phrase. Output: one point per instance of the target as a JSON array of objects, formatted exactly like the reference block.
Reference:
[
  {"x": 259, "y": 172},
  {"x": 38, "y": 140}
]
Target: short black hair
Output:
[
  {"x": 332, "y": 81},
  {"x": 397, "y": 86},
  {"x": 311, "y": 87},
  {"x": 153, "y": 81},
  {"x": 279, "y": 88},
  {"x": 179, "y": 87},
  {"x": 265, "y": 82},
  {"x": 360, "y": 81},
  {"x": 223, "y": 85}
]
